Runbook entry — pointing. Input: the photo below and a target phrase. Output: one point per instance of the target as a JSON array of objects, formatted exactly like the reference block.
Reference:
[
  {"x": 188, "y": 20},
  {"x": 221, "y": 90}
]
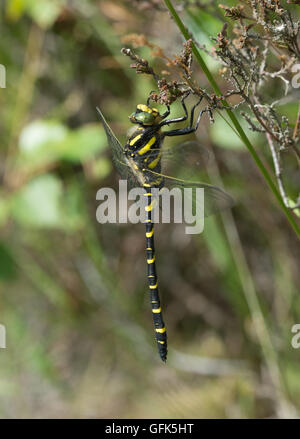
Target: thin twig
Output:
[
  {"x": 277, "y": 167},
  {"x": 297, "y": 126}
]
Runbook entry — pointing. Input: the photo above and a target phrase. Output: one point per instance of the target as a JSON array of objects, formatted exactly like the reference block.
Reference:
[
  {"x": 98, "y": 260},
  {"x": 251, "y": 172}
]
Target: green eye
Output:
[{"x": 144, "y": 118}]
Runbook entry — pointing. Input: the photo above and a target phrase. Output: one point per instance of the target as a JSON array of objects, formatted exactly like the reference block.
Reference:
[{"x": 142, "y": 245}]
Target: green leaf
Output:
[
  {"x": 45, "y": 12},
  {"x": 47, "y": 141},
  {"x": 203, "y": 26},
  {"x": 39, "y": 203},
  {"x": 39, "y": 133},
  {"x": 224, "y": 136},
  {"x": 82, "y": 144},
  {"x": 38, "y": 144},
  {"x": 15, "y": 8}
]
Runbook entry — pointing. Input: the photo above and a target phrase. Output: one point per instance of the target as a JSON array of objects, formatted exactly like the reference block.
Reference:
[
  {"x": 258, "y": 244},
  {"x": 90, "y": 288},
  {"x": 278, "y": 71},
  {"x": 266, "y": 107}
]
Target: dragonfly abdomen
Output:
[{"x": 159, "y": 325}]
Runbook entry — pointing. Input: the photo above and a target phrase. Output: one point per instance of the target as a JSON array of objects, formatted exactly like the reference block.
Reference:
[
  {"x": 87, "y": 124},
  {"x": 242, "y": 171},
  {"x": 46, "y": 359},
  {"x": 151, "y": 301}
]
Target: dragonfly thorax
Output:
[
  {"x": 142, "y": 140},
  {"x": 143, "y": 152}
]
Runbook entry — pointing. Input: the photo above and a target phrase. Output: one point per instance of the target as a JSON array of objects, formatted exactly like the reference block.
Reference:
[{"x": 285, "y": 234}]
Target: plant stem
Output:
[{"x": 234, "y": 120}]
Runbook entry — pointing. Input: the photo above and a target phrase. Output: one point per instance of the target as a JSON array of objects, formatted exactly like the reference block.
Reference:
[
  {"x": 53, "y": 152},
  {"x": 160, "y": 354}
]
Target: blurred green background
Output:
[{"x": 74, "y": 297}]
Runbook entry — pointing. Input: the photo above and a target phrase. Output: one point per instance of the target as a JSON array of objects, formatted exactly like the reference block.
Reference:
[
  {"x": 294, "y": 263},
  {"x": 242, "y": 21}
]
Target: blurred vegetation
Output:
[{"x": 73, "y": 292}]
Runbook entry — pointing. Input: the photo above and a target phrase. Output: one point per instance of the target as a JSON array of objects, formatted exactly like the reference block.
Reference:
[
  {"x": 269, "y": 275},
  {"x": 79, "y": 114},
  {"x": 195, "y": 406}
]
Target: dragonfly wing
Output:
[
  {"x": 118, "y": 154},
  {"x": 215, "y": 199},
  {"x": 187, "y": 160},
  {"x": 190, "y": 154}
]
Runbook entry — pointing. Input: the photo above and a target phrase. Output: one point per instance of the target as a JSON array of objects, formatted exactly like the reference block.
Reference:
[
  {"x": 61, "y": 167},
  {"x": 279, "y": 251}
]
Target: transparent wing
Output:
[
  {"x": 188, "y": 155},
  {"x": 186, "y": 162},
  {"x": 215, "y": 199},
  {"x": 118, "y": 153}
]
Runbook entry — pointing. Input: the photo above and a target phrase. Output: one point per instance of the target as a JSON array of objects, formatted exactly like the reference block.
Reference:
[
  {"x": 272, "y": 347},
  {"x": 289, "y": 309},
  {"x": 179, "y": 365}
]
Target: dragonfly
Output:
[{"x": 142, "y": 161}]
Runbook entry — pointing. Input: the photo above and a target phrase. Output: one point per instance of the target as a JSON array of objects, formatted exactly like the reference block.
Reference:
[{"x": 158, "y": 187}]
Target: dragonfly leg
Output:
[
  {"x": 166, "y": 113},
  {"x": 190, "y": 128},
  {"x": 193, "y": 111},
  {"x": 177, "y": 119}
]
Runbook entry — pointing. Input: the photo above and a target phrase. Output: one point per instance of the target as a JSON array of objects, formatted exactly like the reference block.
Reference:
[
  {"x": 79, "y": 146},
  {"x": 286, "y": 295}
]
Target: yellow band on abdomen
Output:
[{"x": 160, "y": 330}]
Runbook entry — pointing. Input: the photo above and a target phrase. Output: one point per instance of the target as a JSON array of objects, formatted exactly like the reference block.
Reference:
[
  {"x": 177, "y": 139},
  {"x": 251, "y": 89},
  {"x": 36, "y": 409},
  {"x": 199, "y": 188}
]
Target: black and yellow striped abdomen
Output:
[{"x": 159, "y": 326}]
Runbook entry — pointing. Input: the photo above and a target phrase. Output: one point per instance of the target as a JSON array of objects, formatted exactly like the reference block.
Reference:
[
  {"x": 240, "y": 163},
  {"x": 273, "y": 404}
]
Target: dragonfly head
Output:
[{"x": 145, "y": 115}]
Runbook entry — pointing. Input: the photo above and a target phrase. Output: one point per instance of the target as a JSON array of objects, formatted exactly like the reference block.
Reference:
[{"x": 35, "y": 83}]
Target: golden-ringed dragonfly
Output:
[{"x": 141, "y": 160}]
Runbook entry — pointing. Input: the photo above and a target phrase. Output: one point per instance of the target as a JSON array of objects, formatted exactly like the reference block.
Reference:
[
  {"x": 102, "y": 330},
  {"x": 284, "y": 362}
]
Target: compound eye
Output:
[{"x": 147, "y": 118}]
